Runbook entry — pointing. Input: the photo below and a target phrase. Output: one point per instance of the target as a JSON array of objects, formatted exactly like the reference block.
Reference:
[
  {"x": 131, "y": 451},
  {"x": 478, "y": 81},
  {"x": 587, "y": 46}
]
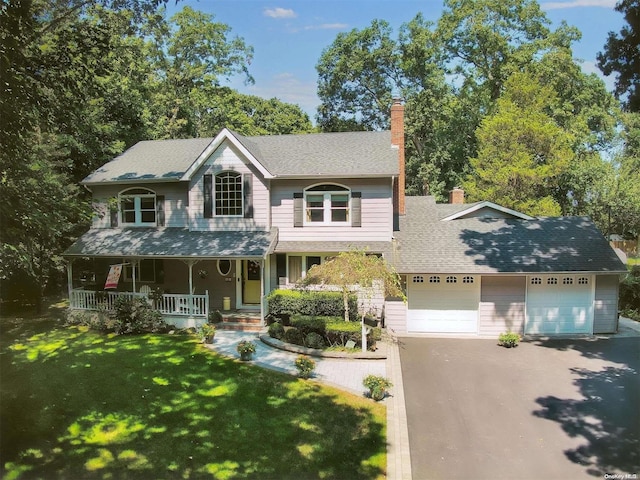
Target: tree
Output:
[
  {"x": 522, "y": 152},
  {"x": 622, "y": 55},
  {"x": 450, "y": 75},
  {"x": 356, "y": 77},
  {"x": 355, "y": 269}
]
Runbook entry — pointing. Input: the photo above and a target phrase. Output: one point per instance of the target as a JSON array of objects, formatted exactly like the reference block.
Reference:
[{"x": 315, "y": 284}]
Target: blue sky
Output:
[{"x": 288, "y": 36}]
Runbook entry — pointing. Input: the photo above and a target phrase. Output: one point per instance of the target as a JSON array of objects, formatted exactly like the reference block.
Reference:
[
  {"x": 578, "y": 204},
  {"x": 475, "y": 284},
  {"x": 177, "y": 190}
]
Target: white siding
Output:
[
  {"x": 395, "y": 317},
  {"x": 175, "y": 202},
  {"x": 502, "y": 305},
  {"x": 605, "y": 314},
  {"x": 227, "y": 157},
  {"x": 377, "y": 212}
]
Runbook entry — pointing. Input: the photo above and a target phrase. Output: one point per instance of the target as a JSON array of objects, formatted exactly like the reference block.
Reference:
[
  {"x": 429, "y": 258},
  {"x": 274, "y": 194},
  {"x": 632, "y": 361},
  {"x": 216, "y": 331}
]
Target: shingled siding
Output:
[
  {"x": 605, "y": 318},
  {"x": 502, "y": 304},
  {"x": 175, "y": 202},
  {"x": 376, "y": 212},
  {"x": 223, "y": 159}
]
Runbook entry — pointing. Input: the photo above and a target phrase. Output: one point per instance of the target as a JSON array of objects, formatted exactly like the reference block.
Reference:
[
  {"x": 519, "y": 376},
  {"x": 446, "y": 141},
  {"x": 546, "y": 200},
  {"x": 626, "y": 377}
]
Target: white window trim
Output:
[
  {"x": 137, "y": 207},
  {"x": 304, "y": 263},
  {"x": 215, "y": 194},
  {"x": 326, "y": 205},
  {"x": 128, "y": 270}
]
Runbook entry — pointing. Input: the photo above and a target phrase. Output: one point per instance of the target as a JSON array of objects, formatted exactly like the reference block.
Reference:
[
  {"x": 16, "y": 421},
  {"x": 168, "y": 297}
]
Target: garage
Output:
[
  {"x": 559, "y": 304},
  {"x": 443, "y": 303}
]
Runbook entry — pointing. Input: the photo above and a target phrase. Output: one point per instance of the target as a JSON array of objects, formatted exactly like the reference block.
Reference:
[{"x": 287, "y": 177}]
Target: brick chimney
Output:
[
  {"x": 456, "y": 196},
  {"x": 397, "y": 138}
]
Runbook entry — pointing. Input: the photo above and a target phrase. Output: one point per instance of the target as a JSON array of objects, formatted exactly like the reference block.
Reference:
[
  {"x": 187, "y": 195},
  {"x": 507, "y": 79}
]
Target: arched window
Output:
[
  {"x": 228, "y": 191},
  {"x": 137, "y": 207},
  {"x": 327, "y": 204}
]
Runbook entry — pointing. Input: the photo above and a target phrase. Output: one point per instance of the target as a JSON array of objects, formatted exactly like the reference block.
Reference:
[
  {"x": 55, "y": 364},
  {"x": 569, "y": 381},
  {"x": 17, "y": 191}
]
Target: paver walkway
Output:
[{"x": 343, "y": 373}]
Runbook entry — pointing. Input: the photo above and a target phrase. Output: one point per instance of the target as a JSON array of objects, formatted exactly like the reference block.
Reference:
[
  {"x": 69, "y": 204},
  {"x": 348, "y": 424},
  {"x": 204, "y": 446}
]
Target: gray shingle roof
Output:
[
  {"x": 151, "y": 160},
  {"x": 426, "y": 244},
  {"x": 171, "y": 243},
  {"x": 323, "y": 154},
  {"x": 328, "y": 154}
]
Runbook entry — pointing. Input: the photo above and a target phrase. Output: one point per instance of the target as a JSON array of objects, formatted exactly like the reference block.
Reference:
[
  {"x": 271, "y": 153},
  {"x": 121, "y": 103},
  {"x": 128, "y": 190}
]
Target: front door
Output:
[{"x": 251, "y": 273}]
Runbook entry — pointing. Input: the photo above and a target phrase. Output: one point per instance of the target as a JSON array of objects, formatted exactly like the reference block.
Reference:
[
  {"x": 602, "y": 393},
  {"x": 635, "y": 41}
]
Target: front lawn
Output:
[{"x": 78, "y": 404}]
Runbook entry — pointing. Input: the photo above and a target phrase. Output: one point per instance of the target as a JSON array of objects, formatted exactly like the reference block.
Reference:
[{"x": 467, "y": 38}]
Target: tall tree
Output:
[
  {"x": 522, "y": 152},
  {"x": 622, "y": 55}
]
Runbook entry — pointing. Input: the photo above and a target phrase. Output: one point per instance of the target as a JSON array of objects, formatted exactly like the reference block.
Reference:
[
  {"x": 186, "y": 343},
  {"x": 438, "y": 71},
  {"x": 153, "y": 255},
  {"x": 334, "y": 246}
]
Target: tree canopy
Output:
[
  {"x": 82, "y": 81},
  {"x": 621, "y": 55}
]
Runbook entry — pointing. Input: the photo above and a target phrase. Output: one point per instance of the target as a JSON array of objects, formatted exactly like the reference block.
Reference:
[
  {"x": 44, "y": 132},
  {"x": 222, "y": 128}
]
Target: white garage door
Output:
[
  {"x": 443, "y": 303},
  {"x": 559, "y": 304}
]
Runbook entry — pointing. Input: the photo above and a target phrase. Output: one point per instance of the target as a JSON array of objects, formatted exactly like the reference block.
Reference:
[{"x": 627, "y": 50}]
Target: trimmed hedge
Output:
[{"x": 286, "y": 303}]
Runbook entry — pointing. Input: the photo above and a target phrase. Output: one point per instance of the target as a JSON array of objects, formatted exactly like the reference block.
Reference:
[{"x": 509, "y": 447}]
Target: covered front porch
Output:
[{"x": 185, "y": 289}]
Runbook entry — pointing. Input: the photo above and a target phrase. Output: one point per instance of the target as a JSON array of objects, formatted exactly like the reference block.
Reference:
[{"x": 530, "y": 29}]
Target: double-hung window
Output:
[
  {"x": 327, "y": 204},
  {"x": 138, "y": 207}
]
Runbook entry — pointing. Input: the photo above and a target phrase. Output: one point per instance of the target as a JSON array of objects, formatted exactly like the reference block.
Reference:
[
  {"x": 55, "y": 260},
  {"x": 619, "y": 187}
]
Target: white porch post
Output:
[
  {"x": 134, "y": 264},
  {"x": 70, "y": 278},
  {"x": 263, "y": 269},
  {"x": 190, "y": 263}
]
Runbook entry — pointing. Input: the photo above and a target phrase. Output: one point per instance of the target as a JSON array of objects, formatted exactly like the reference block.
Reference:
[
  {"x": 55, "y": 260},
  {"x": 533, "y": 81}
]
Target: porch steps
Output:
[{"x": 240, "y": 321}]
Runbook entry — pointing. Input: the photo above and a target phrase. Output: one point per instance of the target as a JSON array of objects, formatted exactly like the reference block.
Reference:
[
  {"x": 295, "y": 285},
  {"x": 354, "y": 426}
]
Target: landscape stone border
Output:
[{"x": 381, "y": 354}]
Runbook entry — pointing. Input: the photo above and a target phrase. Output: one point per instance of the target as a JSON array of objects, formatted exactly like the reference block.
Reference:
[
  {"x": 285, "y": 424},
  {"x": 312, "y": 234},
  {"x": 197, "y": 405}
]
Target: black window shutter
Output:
[
  {"x": 281, "y": 265},
  {"x": 298, "y": 211},
  {"x": 356, "y": 209},
  {"x": 208, "y": 196},
  {"x": 113, "y": 212},
  {"x": 247, "y": 192},
  {"x": 160, "y": 210}
]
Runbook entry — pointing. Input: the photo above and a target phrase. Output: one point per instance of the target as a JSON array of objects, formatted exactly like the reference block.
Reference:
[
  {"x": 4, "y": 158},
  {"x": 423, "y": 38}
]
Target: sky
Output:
[{"x": 288, "y": 36}]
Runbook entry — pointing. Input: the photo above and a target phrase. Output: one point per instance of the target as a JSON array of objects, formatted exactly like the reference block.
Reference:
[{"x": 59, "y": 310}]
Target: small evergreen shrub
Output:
[
  {"x": 285, "y": 303},
  {"x": 135, "y": 315},
  {"x": 293, "y": 335},
  {"x": 314, "y": 340},
  {"x": 305, "y": 366},
  {"x": 276, "y": 330},
  {"x": 307, "y": 324},
  {"x": 509, "y": 339},
  {"x": 215, "y": 317}
]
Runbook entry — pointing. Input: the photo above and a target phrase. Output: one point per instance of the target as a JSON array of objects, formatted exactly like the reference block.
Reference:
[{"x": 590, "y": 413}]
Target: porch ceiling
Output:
[{"x": 171, "y": 243}]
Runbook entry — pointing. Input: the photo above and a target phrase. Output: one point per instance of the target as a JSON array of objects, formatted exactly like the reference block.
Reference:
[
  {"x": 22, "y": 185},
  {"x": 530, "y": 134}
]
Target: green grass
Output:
[
  {"x": 78, "y": 404},
  {"x": 633, "y": 261}
]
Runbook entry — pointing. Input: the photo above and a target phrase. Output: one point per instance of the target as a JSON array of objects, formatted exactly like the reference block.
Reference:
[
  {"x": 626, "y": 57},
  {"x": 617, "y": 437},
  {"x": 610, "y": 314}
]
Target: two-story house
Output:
[{"x": 218, "y": 223}]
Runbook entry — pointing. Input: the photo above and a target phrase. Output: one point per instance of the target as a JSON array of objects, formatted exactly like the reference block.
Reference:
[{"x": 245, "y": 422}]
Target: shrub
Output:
[
  {"x": 307, "y": 324},
  {"x": 99, "y": 320},
  {"x": 378, "y": 386},
  {"x": 285, "y": 303},
  {"x": 215, "y": 317},
  {"x": 340, "y": 332},
  {"x": 509, "y": 339},
  {"x": 135, "y": 315},
  {"x": 276, "y": 330},
  {"x": 293, "y": 335},
  {"x": 305, "y": 366},
  {"x": 630, "y": 290},
  {"x": 314, "y": 340}
]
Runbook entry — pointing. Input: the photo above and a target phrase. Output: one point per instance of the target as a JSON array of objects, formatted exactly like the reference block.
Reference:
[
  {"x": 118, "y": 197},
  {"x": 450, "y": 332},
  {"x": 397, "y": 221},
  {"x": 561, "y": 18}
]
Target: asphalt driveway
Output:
[{"x": 544, "y": 410}]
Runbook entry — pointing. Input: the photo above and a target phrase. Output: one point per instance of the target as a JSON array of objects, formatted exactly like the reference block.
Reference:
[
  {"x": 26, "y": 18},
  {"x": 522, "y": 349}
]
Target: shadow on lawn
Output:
[
  {"x": 76, "y": 404},
  {"x": 608, "y": 418}
]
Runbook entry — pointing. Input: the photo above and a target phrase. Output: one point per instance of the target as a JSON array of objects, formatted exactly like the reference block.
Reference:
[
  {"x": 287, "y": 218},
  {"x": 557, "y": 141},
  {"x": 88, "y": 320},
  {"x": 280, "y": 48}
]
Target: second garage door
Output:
[
  {"x": 443, "y": 303},
  {"x": 559, "y": 304}
]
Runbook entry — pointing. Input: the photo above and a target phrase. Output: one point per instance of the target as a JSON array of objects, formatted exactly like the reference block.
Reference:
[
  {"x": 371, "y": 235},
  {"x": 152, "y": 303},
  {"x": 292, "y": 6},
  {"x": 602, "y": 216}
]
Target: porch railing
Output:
[{"x": 170, "y": 304}]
